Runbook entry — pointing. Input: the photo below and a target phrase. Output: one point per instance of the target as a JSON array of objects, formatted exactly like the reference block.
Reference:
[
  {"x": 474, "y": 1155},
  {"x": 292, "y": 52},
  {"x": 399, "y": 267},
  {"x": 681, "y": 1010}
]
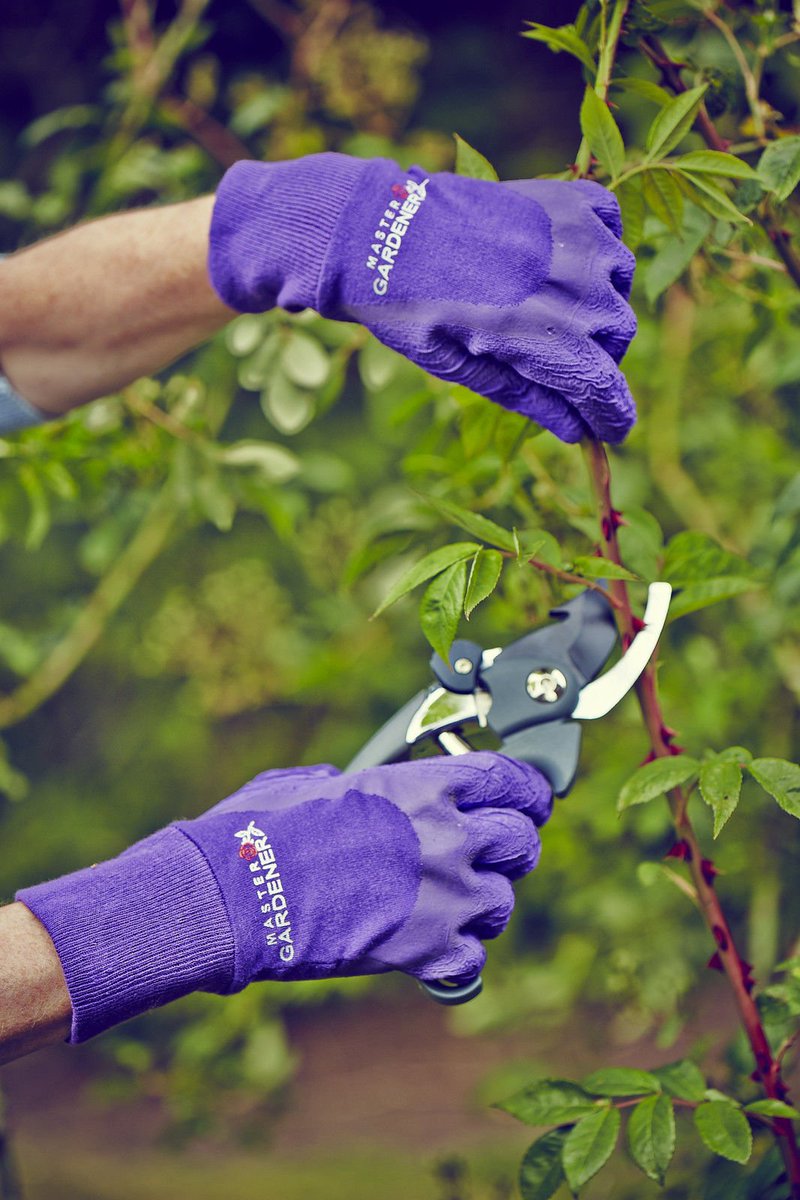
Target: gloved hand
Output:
[
  {"x": 518, "y": 291},
  {"x": 301, "y": 874}
]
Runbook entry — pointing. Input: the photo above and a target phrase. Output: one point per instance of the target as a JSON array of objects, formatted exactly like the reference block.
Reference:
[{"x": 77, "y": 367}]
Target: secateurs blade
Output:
[{"x": 532, "y": 695}]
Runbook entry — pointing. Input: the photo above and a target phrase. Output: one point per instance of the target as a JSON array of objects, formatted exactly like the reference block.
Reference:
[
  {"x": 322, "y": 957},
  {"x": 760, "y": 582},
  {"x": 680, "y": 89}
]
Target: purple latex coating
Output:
[
  {"x": 518, "y": 291},
  {"x": 301, "y": 874}
]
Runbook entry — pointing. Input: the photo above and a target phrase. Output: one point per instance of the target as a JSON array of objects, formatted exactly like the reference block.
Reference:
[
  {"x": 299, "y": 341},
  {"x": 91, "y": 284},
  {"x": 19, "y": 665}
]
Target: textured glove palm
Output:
[
  {"x": 518, "y": 291},
  {"x": 301, "y": 874}
]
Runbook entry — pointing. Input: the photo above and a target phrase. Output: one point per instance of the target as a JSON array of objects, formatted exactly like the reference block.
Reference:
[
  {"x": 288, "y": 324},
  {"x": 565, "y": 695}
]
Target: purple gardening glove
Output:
[
  {"x": 301, "y": 874},
  {"x": 518, "y": 291}
]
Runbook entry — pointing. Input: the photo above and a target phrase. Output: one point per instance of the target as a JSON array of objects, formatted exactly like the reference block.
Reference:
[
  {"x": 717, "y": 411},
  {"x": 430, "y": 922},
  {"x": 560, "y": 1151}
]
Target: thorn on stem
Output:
[
  {"x": 708, "y": 871},
  {"x": 720, "y": 936},
  {"x": 681, "y": 850},
  {"x": 715, "y": 962}
]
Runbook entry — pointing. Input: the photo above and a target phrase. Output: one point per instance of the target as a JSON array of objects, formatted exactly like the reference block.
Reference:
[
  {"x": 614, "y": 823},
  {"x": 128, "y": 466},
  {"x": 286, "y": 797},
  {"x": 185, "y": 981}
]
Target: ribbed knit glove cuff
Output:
[
  {"x": 136, "y": 932},
  {"x": 272, "y": 226}
]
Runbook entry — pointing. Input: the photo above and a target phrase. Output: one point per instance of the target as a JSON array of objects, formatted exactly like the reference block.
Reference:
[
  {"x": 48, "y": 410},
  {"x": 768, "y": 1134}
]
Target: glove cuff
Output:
[
  {"x": 136, "y": 932},
  {"x": 271, "y": 228}
]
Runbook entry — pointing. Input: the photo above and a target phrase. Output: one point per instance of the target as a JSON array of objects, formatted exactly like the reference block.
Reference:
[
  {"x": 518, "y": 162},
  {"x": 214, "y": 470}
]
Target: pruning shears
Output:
[{"x": 532, "y": 695}]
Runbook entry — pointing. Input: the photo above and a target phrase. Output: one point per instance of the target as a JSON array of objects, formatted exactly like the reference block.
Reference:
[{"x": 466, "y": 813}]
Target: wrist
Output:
[
  {"x": 136, "y": 932},
  {"x": 271, "y": 228}
]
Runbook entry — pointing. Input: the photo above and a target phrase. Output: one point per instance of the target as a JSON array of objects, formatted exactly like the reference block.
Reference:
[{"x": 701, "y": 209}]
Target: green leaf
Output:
[
  {"x": 701, "y": 595},
  {"x": 724, "y": 1129},
  {"x": 631, "y": 206},
  {"x": 432, "y": 564},
  {"x": 304, "y": 360},
  {"x": 682, "y": 1079},
  {"x": 591, "y": 566},
  {"x": 651, "y": 1136},
  {"x": 662, "y": 196},
  {"x": 475, "y": 523},
  {"x": 378, "y": 365},
  {"x": 712, "y": 198},
  {"x": 773, "y": 1108},
  {"x": 673, "y": 122},
  {"x": 274, "y": 461},
  {"x": 737, "y": 754},
  {"x": 674, "y": 256},
  {"x": 471, "y": 163},
  {"x": 655, "y": 778},
  {"x": 564, "y": 37},
  {"x": 285, "y": 405},
  {"x": 601, "y": 132},
  {"x": 644, "y": 88},
  {"x": 781, "y": 779},
  {"x": 487, "y": 566},
  {"x": 715, "y": 162},
  {"x": 779, "y": 166},
  {"x": 692, "y": 556},
  {"x": 541, "y": 1172},
  {"x": 549, "y": 1102},
  {"x": 441, "y": 607},
  {"x": 620, "y": 1081},
  {"x": 589, "y": 1145},
  {"x": 720, "y": 787}
]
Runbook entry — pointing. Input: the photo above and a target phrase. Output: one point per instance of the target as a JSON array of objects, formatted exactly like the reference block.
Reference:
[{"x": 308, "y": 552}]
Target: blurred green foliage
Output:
[{"x": 241, "y": 517}]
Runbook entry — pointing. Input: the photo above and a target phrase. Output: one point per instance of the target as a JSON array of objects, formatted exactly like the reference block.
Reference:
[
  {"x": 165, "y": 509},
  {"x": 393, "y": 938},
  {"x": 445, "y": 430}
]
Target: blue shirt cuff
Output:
[{"x": 16, "y": 413}]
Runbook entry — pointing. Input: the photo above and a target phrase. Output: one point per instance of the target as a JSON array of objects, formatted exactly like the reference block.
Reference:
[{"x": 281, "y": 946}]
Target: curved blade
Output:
[{"x": 601, "y": 695}]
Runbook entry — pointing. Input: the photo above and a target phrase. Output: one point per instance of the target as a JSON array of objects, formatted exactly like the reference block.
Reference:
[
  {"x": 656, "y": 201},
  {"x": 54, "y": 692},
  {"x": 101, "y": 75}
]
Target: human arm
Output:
[
  {"x": 86, "y": 312},
  {"x": 35, "y": 1009},
  {"x": 300, "y": 874}
]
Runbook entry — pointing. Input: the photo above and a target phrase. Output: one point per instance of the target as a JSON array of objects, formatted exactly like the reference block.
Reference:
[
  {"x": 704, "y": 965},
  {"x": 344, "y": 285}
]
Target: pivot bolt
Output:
[
  {"x": 546, "y": 686},
  {"x": 462, "y": 666}
]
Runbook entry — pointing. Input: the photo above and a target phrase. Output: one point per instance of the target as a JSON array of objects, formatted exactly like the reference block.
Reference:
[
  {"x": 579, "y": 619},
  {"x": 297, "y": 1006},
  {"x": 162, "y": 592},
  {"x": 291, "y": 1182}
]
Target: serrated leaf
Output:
[
  {"x": 304, "y": 360},
  {"x": 475, "y": 523},
  {"x": 484, "y": 575},
  {"x": 781, "y": 779},
  {"x": 712, "y": 198},
  {"x": 470, "y": 162},
  {"x": 662, "y": 196},
  {"x": 773, "y": 1108},
  {"x": 564, "y": 37},
  {"x": 631, "y": 207},
  {"x": 694, "y": 556},
  {"x": 779, "y": 166},
  {"x": 715, "y": 162},
  {"x": 432, "y": 564},
  {"x": 674, "y": 256},
  {"x": 651, "y": 1136},
  {"x": 644, "y": 88},
  {"x": 682, "y": 1079},
  {"x": 655, "y": 778},
  {"x": 701, "y": 595},
  {"x": 724, "y": 1129},
  {"x": 441, "y": 607},
  {"x": 591, "y": 566},
  {"x": 548, "y": 1102},
  {"x": 720, "y": 787},
  {"x": 589, "y": 1145},
  {"x": 541, "y": 1172},
  {"x": 601, "y": 132},
  {"x": 673, "y": 122},
  {"x": 620, "y": 1081},
  {"x": 737, "y": 754}
]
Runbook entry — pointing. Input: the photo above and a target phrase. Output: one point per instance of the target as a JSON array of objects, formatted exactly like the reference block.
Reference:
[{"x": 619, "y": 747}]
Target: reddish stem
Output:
[{"x": 738, "y": 972}]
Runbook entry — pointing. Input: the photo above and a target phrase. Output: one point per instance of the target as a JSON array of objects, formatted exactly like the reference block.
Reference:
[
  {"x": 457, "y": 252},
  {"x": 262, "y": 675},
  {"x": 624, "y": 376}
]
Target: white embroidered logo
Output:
[
  {"x": 254, "y": 849},
  {"x": 392, "y": 228}
]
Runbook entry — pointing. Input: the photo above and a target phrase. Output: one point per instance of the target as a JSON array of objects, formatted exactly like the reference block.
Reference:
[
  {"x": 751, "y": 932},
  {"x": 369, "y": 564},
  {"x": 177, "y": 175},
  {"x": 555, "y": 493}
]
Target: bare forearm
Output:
[
  {"x": 90, "y": 310},
  {"x": 35, "y": 1008}
]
